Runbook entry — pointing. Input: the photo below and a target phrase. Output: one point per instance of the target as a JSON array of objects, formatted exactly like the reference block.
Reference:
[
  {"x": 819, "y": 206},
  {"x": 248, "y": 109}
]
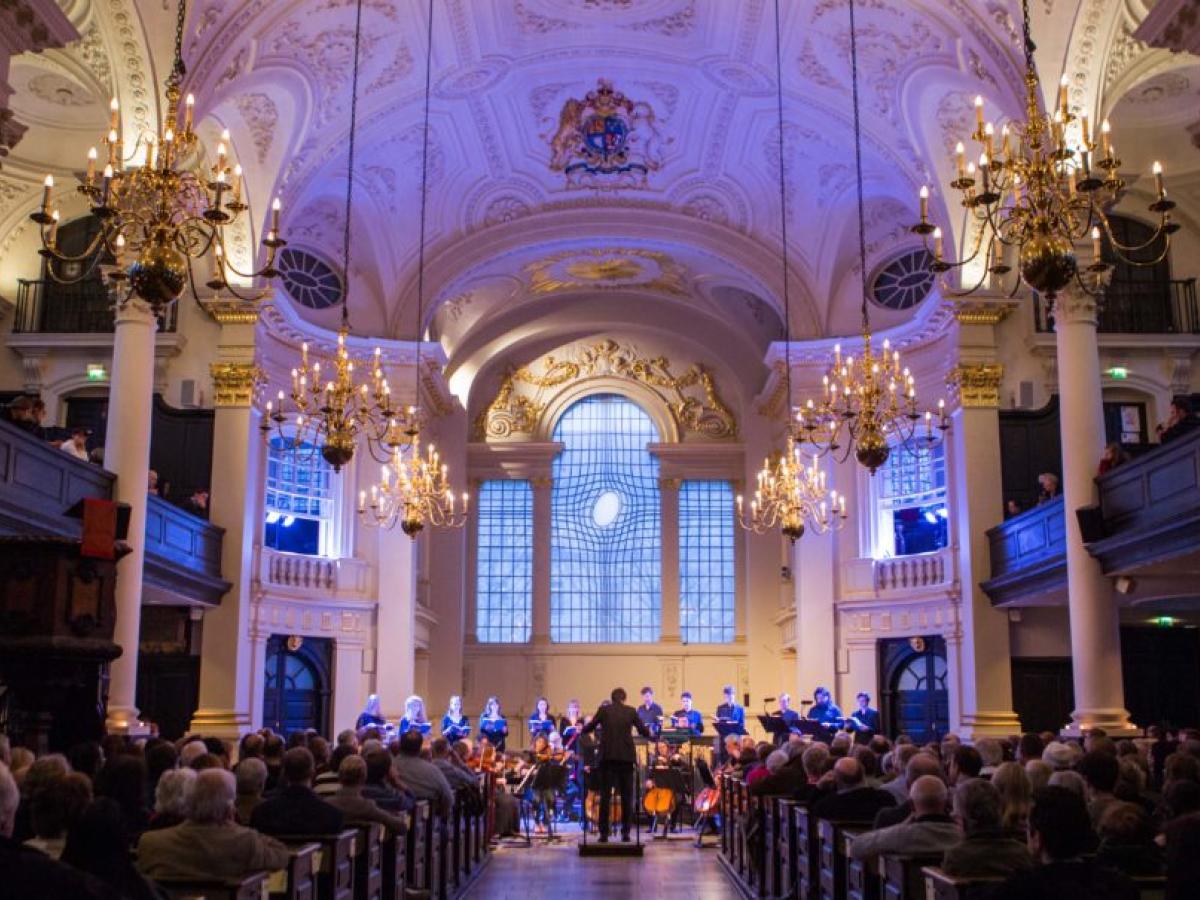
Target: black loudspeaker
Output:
[
  {"x": 1091, "y": 523},
  {"x": 746, "y": 699}
]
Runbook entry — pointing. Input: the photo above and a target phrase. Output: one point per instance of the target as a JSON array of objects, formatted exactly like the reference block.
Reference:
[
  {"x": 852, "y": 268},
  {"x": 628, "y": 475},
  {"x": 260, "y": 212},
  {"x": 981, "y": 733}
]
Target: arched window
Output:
[
  {"x": 909, "y": 496},
  {"x": 300, "y": 501},
  {"x": 504, "y": 562},
  {"x": 606, "y": 525}
]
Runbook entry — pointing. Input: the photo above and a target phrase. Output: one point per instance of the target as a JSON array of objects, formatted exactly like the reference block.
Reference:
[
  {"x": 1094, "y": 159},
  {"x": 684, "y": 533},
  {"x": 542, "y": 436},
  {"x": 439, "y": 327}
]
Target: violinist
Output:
[
  {"x": 370, "y": 716},
  {"x": 493, "y": 727},
  {"x": 650, "y": 713},
  {"x": 687, "y": 717},
  {"x": 544, "y": 799},
  {"x": 541, "y": 722},
  {"x": 455, "y": 726},
  {"x": 414, "y": 718},
  {"x": 664, "y": 792}
]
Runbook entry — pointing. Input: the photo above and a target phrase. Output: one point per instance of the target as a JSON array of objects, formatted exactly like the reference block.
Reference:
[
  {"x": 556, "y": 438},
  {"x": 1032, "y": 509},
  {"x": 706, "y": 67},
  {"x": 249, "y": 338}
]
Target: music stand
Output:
[
  {"x": 701, "y": 824},
  {"x": 776, "y": 727},
  {"x": 816, "y": 730}
]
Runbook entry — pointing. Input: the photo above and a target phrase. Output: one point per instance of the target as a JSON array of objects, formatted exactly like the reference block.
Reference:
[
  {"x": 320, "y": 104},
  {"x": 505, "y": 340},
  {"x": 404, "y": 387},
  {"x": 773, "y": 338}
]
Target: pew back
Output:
[
  {"x": 298, "y": 879},
  {"x": 249, "y": 887}
]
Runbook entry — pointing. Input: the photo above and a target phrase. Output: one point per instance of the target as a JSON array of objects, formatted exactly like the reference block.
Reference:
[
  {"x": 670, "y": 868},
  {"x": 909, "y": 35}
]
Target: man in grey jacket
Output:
[
  {"x": 929, "y": 830},
  {"x": 209, "y": 845},
  {"x": 987, "y": 850},
  {"x": 423, "y": 778}
]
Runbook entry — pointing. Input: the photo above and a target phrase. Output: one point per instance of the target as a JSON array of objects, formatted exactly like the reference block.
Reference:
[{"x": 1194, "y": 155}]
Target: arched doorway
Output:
[
  {"x": 915, "y": 697},
  {"x": 297, "y": 684}
]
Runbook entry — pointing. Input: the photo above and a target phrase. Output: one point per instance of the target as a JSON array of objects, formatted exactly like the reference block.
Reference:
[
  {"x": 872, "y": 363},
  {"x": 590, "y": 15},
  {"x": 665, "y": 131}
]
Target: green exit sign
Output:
[{"x": 1118, "y": 373}]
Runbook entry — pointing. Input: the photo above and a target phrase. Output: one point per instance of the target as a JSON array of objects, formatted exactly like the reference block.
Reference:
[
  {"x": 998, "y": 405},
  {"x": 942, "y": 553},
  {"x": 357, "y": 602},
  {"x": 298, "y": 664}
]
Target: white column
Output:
[
  {"x": 395, "y": 621},
  {"x": 669, "y": 515},
  {"x": 231, "y": 675},
  {"x": 982, "y": 695},
  {"x": 1095, "y": 624},
  {"x": 127, "y": 455},
  {"x": 542, "y": 487},
  {"x": 816, "y": 636}
]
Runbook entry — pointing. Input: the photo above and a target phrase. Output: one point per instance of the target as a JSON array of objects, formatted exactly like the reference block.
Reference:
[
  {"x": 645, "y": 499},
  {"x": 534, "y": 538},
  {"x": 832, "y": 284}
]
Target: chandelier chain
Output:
[
  {"x": 783, "y": 219},
  {"x": 350, "y": 168},
  {"x": 1027, "y": 39},
  {"x": 858, "y": 170},
  {"x": 178, "y": 69},
  {"x": 424, "y": 203}
]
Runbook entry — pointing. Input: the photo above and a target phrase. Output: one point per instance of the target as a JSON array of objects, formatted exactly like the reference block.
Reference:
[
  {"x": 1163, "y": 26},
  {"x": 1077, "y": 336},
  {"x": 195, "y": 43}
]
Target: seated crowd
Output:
[
  {"x": 108, "y": 819},
  {"x": 1039, "y": 815}
]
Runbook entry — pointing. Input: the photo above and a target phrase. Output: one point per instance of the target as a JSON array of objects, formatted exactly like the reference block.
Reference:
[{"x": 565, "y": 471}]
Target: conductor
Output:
[{"x": 617, "y": 758}]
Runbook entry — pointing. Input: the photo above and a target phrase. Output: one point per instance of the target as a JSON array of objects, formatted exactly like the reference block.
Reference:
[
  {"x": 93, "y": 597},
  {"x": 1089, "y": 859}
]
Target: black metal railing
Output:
[
  {"x": 85, "y": 308},
  {"x": 1139, "y": 308}
]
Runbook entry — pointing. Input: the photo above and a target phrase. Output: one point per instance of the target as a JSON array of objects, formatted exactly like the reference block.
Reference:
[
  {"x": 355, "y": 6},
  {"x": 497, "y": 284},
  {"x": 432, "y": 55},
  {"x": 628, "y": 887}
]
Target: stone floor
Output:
[{"x": 671, "y": 869}]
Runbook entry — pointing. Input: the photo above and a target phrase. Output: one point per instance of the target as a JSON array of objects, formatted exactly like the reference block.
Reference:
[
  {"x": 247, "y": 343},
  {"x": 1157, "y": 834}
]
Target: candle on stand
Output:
[
  {"x": 1105, "y": 139},
  {"x": 937, "y": 244},
  {"x": 114, "y": 114},
  {"x": 119, "y": 250},
  {"x": 1096, "y": 244},
  {"x": 1087, "y": 131},
  {"x": 237, "y": 183},
  {"x": 52, "y": 237},
  {"x": 1063, "y": 103},
  {"x": 979, "y": 113},
  {"x": 106, "y": 185},
  {"x": 924, "y": 204},
  {"x": 47, "y": 187},
  {"x": 1158, "y": 179},
  {"x": 91, "y": 166},
  {"x": 276, "y": 206},
  {"x": 960, "y": 156},
  {"x": 189, "y": 111}
]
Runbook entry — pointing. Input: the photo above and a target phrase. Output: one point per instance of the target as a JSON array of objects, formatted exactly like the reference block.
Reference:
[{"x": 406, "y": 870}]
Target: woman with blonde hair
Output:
[
  {"x": 1016, "y": 795},
  {"x": 414, "y": 716}
]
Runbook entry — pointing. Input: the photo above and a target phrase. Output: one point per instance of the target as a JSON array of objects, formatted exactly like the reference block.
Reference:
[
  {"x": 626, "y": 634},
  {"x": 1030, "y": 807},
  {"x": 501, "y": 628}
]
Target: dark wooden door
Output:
[
  {"x": 1043, "y": 695},
  {"x": 297, "y": 684},
  {"x": 168, "y": 691},
  {"x": 915, "y": 696},
  {"x": 1161, "y": 669}
]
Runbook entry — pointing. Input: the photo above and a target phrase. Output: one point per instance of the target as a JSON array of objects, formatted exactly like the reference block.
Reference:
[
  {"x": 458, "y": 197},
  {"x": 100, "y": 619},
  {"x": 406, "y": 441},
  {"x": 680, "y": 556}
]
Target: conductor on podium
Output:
[{"x": 617, "y": 758}]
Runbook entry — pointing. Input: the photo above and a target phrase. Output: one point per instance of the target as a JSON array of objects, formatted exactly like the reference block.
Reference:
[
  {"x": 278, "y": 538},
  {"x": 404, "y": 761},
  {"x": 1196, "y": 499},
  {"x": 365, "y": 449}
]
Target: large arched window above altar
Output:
[{"x": 606, "y": 525}]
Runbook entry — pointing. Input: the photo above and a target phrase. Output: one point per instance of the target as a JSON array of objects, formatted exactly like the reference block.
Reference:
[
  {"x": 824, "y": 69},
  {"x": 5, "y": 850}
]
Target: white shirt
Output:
[{"x": 68, "y": 446}]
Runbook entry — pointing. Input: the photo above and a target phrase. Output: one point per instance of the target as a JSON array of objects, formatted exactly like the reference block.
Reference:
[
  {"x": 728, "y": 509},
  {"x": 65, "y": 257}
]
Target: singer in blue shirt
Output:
[
  {"x": 541, "y": 722},
  {"x": 824, "y": 710},
  {"x": 493, "y": 725},
  {"x": 455, "y": 726},
  {"x": 732, "y": 715},
  {"x": 686, "y": 717},
  {"x": 414, "y": 716}
]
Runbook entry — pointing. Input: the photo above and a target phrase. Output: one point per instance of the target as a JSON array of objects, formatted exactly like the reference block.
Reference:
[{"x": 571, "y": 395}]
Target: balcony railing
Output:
[
  {"x": 1136, "y": 308},
  {"x": 38, "y": 483},
  {"x": 85, "y": 308}
]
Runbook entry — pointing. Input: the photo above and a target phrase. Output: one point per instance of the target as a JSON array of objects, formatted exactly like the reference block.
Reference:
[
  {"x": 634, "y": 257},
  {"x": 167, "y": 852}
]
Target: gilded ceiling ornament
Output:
[
  {"x": 607, "y": 270},
  {"x": 606, "y": 140},
  {"x": 977, "y": 385},
  {"x": 525, "y": 393}
]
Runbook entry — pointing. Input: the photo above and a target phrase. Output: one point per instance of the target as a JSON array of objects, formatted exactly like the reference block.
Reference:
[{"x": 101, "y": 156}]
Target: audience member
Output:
[
  {"x": 250, "y": 776},
  {"x": 294, "y": 808},
  {"x": 421, "y": 777},
  {"x": 382, "y": 787},
  {"x": 357, "y": 810},
  {"x": 209, "y": 844},
  {"x": 853, "y": 799},
  {"x": 1016, "y": 795},
  {"x": 76, "y": 444},
  {"x": 988, "y": 849},
  {"x": 1038, "y": 773},
  {"x": 1060, "y": 836},
  {"x": 789, "y": 778},
  {"x": 457, "y": 777},
  {"x": 1099, "y": 771},
  {"x": 1070, "y": 780},
  {"x": 1127, "y": 840},
  {"x": 1047, "y": 487},
  {"x": 99, "y": 845},
  {"x": 171, "y": 798},
  {"x": 1179, "y": 421},
  {"x": 1029, "y": 747},
  {"x": 1058, "y": 756},
  {"x": 1114, "y": 455},
  {"x": 965, "y": 763},
  {"x": 56, "y": 809},
  {"x": 1182, "y": 839},
  {"x": 991, "y": 751},
  {"x": 929, "y": 830},
  {"x": 920, "y": 765}
]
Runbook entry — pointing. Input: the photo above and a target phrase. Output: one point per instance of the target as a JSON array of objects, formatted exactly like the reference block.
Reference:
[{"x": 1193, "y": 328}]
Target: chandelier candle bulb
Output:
[
  {"x": 52, "y": 238},
  {"x": 237, "y": 183},
  {"x": 151, "y": 152},
  {"x": 1005, "y": 146},
  {"x": 92, "y": 156},
  {"x": 106, "y": 186},
  {"x": 114, "y": 114},
  {"x": 113, "y": 143},
  {"x": 937, "y": 244},
  {"x": 276, "y": 206},
  {"x": 989, "y": 137},
  {"x": 979, "y": 113},
  {"x": 119, "y": 253},
  {"x": 1085, "y": 128},
  {"x": 221, "y": 151},
  {"x": 1157, "y": 169},
  {"x": 960, "y": 156},
  {"x": 47, "y": 187},
  {"x": 1106, "y": 140},
  {"x": 1096, "y": 244},
  {"x": 189, "y": 112},
  {"x": 1063, "y": 105},
  {"x": 924, "y": 197}
]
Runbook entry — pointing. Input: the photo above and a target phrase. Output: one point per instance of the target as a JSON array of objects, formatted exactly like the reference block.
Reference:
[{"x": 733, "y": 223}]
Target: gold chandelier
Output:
[
  {"x": 1036, "y": 192},
  {"x": 331, "y": 412},
  {"x": 868, "y": 402},
  {"x": 415, "y": 491},
  {"x": 157, "y": 216},
  {"x": 788, "y": 493}
]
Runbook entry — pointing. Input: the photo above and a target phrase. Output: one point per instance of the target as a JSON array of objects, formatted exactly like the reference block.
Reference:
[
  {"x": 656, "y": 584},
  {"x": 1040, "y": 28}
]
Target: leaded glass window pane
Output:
[
  {"x": 504, "y": 563},
  {"x": 911, "y": 501},
  {"x": 706, "y": 565},
  {"x": 300, "y": 495},
  {"x": 606, "y": 525}
]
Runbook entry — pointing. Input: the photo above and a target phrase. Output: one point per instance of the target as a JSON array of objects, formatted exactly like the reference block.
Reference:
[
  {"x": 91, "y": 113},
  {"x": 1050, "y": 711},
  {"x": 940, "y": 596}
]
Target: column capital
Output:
[
  {"x": 234, "y": 383},
  {"x": 976, "y": 384},
  {"x": 135, "y": 310},
  {"x": 231, "y": 311},
  {"x": 1075, "y": 307}
]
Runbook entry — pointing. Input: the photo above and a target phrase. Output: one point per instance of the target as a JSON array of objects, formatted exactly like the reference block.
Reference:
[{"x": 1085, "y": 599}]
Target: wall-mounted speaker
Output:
[
  {"x": 187, "y": 392},
  {"x": 1025, "y": 400}
]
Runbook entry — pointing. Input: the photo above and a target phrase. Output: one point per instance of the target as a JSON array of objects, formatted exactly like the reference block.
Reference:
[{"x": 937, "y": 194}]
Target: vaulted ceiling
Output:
[{"x": 521, "y": 252}]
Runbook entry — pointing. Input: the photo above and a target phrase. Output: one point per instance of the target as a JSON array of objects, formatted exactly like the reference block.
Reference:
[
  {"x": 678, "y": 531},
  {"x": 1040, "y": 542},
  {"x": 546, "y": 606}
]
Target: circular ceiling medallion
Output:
[{"x": 54, "y": 88}]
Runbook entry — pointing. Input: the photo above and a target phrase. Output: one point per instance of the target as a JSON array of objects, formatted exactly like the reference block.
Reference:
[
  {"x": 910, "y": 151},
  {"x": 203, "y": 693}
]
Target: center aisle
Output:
[{"x": 669, "y": 869}]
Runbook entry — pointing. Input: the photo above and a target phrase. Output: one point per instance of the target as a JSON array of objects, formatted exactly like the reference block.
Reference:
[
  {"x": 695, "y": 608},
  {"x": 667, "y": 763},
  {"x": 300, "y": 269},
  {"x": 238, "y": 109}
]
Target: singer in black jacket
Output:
[{"x": 618, "y": 758}]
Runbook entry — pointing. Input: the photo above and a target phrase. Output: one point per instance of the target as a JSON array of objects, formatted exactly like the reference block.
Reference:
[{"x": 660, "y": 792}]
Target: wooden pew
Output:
[
  {"x": 806, "y": 855},
  {"x": 368, "y": 862},
  {"x": 249, "y": 887},
  {"x": 417, "y": 859},
  {"x": 726, "y": 809},
  {"x": 1150, "y": 887},
  {"x": 940, "y": 886},
  {"x": 784, "y": 848},
  {"x": 901, "y": 877},
  {"x": 772, "y": 869},
  {"x": 335, "y": 861},
  {"x": 298, "y": 879},
  {"x": 395, "y": 867},
  {"x": 754, "y": 853},
  {"x": 862, "y": 875},
  {"x": 833, "y": 857}
]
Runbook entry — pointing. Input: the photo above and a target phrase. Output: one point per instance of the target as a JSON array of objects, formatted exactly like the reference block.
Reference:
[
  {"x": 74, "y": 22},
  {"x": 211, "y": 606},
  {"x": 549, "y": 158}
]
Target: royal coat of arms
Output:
[{"x": 606, "y": 140}]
